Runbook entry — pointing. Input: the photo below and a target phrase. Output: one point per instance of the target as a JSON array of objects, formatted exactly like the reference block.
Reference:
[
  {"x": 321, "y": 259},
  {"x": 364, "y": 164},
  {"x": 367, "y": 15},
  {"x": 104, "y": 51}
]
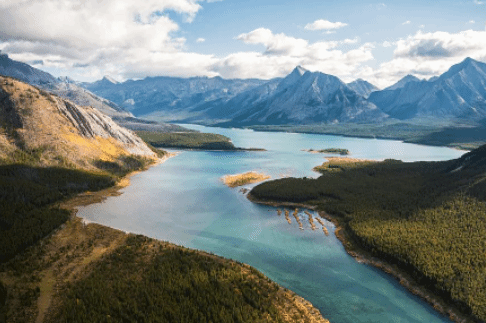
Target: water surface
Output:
[{"x": 184, "y": 201}]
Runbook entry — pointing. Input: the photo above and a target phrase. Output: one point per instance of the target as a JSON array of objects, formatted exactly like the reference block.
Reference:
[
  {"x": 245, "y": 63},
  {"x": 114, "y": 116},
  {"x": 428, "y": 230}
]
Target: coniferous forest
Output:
[{"x": 429, "y": 218}]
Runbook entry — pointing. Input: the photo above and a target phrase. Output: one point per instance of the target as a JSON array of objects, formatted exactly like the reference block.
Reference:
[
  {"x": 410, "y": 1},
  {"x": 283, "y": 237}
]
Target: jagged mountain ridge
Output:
[
  {"x": 303, "y": 97},
  {"x": 459, "y": 93},
  {"x": 176, "y": 96},
  {"x": 34, "y": 120}
]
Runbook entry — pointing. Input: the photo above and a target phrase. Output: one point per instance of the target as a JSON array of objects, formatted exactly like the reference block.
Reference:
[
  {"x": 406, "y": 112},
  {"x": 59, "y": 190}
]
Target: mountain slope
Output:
[
  {"x": 59, "y": 131},
  {"x": 362, "y": 87},
  {"x": 170, "y": 98},
  {"x": 458, "y": 94},
  {"x": 402, "y": 82},
  {"x": 302, "y": 97},
  {"x": 24, "y": 72}
]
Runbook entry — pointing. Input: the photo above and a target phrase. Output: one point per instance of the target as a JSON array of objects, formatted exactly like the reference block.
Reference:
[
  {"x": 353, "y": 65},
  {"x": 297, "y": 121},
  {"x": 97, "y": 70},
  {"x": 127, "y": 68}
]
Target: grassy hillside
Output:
[{"x": 428, "y": 218}]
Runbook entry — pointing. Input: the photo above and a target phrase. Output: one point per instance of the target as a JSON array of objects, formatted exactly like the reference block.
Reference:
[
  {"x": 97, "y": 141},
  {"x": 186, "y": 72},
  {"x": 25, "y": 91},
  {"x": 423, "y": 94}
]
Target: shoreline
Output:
[
  {"x": 87, "y": 198},
  {"x": 361, "y": 255}
]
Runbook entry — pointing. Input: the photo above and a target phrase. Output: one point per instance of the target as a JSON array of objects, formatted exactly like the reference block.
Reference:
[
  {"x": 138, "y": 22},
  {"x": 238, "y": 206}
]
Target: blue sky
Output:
[{"x": 377, "y": 41}]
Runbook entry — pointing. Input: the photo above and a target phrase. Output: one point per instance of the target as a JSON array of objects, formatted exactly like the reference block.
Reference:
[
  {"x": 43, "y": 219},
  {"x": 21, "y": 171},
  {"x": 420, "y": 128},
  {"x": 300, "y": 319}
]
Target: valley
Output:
[{"x": 60, "y": 138}]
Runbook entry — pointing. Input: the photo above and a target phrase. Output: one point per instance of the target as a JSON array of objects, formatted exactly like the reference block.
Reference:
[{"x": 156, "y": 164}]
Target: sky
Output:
[{"x": 378, "y": 41}]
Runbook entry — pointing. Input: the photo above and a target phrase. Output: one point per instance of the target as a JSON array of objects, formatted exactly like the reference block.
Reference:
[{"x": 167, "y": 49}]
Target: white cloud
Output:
[
  {"x": 200, "y": 40},
  {"x": 429, "y": 54},
  {"x": 472, "y": 21},
  {"x": 275, "y": 43},
  {"x": 67, "y": 34},
  {"x": 408, "y": 22},
  {"x": 282, "y": 53},
  {"x": 478, "y": 2},
  {"x": 322, "y": 24}
]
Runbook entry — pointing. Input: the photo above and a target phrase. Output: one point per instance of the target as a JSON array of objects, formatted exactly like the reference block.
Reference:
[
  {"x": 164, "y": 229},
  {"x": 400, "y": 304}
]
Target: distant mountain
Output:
[
  {"x": 402, "y": 82},
  {"x": 171, "y": 97},
  {"x": 68, "y": 88},
  {"x": 362, "y": 87},
  {"x": 303, "y": 97},
  {"x": 24, "y": 72},
  {"x": 458, "y": 94}
]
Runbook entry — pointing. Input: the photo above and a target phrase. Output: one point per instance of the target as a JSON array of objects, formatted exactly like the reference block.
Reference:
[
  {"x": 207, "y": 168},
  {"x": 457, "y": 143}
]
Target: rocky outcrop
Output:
[{"x": 91, "y": 123}]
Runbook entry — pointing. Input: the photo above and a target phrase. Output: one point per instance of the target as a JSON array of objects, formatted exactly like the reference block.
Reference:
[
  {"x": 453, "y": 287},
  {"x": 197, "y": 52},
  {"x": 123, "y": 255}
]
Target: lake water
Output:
[{"x": 184, "y": 201}]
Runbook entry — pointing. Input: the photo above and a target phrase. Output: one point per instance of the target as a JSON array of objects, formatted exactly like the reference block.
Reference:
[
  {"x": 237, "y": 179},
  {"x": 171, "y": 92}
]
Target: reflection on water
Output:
[{"x": 184, "y": 201}]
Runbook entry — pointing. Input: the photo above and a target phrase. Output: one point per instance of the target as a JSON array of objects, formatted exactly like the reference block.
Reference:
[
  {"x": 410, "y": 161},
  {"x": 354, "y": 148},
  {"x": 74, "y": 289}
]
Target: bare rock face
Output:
[{"x": 91, "y": 123}]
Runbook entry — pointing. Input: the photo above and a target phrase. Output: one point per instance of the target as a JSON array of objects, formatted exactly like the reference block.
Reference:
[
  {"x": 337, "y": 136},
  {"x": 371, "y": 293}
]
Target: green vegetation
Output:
[
  {"x": 27, "y": 198},
  {"x": 342, "y": 164},
  {"x": 428, "y": 218},
  {"x": 432, "y": 133},
  {"x": 143, "y": 281},
  {"x": 187, "y": 140},
  {"x": 28, "y": 195},
  {"x": 340, "y": 151},
  {"x": 3, "y": 299}
]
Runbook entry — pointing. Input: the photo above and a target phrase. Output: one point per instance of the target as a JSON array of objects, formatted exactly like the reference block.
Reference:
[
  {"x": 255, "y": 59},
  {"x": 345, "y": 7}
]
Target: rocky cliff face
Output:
[{"x": 35, "y": 121}]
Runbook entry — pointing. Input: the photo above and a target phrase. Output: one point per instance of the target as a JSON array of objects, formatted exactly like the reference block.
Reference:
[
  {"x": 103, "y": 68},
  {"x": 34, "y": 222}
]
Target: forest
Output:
[
  {"x": 428, "y": 218},
  {"x": 29, "y": 194},
  {"x": 436, "y": 134},
  {"x": 187, "y": 140},
  {"x": 149, "y": 281}
]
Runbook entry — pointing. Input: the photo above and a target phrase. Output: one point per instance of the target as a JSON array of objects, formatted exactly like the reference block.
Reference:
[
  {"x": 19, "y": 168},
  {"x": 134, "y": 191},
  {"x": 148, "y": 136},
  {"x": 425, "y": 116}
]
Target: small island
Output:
[
  {"x": 245, "y": 178},
  {"x": 339, "y": 151}
]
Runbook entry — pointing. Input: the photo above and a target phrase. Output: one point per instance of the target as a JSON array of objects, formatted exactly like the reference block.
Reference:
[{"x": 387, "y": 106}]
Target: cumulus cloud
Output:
[
  {"x": 408, "y": 22},
  {"x": 429, "y": 54},
  {"x": 322, "y": 24},
  {"x": 200, "y": 40},
  {"x": 442, "y": 44},
  {"x": 96, "y": 33},
  {"x": 282, "y": 53}
]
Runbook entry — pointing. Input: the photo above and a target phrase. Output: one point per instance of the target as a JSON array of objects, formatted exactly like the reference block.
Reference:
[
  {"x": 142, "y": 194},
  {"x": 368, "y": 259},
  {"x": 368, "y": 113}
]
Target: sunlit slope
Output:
[{"x": 37, "y": 125}]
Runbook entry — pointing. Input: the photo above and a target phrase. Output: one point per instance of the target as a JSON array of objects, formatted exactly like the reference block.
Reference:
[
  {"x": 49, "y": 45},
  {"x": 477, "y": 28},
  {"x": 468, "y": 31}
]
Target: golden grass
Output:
[{"x": 245, "y": 178}]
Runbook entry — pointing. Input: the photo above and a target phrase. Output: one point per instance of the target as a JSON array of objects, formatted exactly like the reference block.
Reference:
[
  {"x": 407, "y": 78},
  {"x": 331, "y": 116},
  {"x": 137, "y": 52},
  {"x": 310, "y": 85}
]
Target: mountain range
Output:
[
  {"x": 300, "y": 98},
  {"x": 71, "y": 90},
  {"x": 304, "y": 97},
  {"x": 459, "y": 93}
]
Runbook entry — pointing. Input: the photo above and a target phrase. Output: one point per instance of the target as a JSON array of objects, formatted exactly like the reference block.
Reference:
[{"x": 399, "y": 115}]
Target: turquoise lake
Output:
[{"x": 185, "y": 202}]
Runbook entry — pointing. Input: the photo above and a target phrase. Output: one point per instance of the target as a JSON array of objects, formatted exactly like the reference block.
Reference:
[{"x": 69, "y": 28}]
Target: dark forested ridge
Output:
[
  {"x": 427, "y": 217},
  {"x": 149, "y": 281}
]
